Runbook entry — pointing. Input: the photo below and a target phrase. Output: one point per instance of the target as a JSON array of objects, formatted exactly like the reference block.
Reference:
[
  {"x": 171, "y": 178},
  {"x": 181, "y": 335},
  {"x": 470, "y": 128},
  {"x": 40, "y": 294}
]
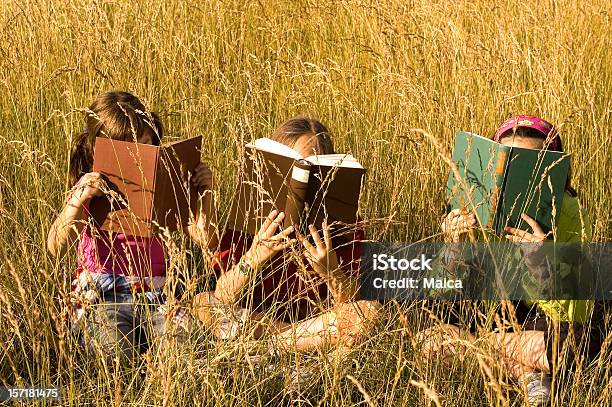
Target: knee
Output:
[
  {"x": 354, "y": 318},
  {"x": 202, "y": 307}
]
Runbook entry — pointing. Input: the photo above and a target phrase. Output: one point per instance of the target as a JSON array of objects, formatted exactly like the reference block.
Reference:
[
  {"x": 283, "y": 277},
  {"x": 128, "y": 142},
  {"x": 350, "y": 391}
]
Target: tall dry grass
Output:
[{"x": 233, "y": 70}]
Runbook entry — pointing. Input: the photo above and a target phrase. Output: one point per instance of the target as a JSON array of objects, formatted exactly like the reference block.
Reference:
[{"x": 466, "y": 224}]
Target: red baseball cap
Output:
[{"x": 553, "y": 141}]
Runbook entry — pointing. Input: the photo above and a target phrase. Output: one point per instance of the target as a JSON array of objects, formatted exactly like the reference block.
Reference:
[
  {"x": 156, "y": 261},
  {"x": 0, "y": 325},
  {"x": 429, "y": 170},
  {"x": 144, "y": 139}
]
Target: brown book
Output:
[
  {"x": 307, "y": 189},
  {"x": 149, "y": 185}
]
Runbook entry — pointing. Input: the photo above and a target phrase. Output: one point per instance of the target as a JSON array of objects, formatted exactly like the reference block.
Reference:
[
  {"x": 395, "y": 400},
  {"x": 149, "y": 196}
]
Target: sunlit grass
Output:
[{"x": 233, "y": 71}]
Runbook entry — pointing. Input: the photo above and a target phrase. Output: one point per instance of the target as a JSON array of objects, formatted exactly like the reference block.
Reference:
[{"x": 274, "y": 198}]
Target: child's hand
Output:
[
  {"x": 520, "y": 236},
  {"x": 457, "y": 224},
  {"x": 202, "y": 178},
  {"x": 324, "y": 261},
  {"x": 321, "y": 256},
  {"x": 532, "y": 247},
  {"x": 267, "y": 242},
  {"x": 90, "y": 185}
]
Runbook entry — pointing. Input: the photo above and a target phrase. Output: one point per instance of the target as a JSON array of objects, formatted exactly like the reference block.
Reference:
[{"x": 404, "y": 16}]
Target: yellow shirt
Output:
[{"x": 573, "y": 227}]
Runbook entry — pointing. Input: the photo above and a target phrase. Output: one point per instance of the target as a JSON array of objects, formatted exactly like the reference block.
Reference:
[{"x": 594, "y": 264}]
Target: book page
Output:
[
  {"x": 274, "y": 147},
  {"x": 335, "y": 160}
]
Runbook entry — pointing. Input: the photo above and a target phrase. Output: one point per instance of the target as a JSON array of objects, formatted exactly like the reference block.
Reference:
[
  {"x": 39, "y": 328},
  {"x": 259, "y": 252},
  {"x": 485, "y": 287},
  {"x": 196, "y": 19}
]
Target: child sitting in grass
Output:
[
  {"x": 528, "y": 354},
  {"x": 120, "y": 278},
  {"x": 300, "y": 293}
]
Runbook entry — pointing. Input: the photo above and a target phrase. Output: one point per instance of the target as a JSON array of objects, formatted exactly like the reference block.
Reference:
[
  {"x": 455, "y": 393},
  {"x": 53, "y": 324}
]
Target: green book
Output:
[{"x": 501, "y": 182}]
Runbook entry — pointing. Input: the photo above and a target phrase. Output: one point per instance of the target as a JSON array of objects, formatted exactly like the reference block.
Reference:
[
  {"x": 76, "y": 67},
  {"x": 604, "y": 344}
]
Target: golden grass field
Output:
[{"x": 233, "y": 70}]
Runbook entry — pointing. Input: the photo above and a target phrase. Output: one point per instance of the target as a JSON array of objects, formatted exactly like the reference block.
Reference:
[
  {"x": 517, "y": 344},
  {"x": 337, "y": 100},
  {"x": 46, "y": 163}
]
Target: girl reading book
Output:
[
  {"x": 120, "y": 278},
  {"x": 300, "y": 290},
  {"x": 529, "y": 354}
]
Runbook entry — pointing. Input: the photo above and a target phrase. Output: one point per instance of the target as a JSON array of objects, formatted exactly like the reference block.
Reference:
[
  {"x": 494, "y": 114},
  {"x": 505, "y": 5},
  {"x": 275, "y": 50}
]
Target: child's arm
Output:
[
  {"x": 204, "y": 230},
  {"x": 265, "y": 245},
  {"x": 458, "y": 224},
  {"x": 324, "y": 261},
  {"x": 69, "y": 223}
]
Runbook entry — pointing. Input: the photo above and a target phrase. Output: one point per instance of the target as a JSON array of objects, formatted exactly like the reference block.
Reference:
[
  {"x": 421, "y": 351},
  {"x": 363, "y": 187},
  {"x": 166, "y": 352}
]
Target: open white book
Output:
[
  {"x": 329, "y": 160},
  {"x": 308, "y": 189}
]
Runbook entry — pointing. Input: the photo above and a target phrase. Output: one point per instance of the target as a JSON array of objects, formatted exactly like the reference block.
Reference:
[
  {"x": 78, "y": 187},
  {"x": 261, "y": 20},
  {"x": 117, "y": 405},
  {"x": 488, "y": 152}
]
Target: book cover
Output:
[
  {"x": 149, "y": 185},
  {"x": 307, "y": 189},
  {"x": 501, "y": 182}
]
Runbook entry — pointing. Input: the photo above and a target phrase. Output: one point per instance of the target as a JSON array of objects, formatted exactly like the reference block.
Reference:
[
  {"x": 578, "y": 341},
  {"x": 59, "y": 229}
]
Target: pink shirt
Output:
[
  {"x": 140, "y": 259},
  {"x": 117, "y": 253},
  {"x": 100, "y": 251}
]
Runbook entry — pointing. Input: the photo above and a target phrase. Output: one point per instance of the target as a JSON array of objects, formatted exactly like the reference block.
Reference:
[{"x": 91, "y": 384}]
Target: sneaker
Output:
[{"x": 538, "y": 389}]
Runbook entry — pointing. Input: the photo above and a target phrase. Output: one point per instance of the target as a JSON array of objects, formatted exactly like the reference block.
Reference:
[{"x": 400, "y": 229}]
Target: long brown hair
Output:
[
  {"x": 115, "y": 115},
  {"x": 527, "y": 132},
  {"x": 293, "y": 129}
]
